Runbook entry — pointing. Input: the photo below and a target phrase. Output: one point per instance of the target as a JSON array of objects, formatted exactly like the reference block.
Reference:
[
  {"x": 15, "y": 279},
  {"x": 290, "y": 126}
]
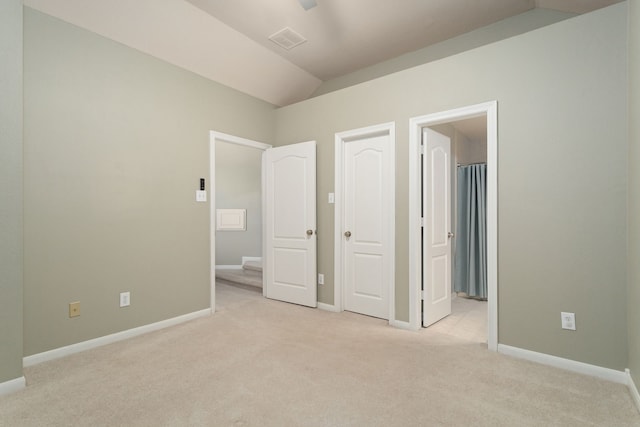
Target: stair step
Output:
[
  {"x": 245, "y": 277},
  {"x": 253, "y": 266}
]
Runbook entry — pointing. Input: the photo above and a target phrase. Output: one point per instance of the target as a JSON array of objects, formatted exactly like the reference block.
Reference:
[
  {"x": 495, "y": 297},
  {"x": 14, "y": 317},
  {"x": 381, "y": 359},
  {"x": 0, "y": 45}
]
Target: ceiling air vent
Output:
[{"x": 287, "y": 38}]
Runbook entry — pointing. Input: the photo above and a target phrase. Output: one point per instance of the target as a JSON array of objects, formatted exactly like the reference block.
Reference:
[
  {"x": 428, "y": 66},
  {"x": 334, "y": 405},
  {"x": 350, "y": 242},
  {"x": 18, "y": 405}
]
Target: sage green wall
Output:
[
  {"x": 239, "y": 186},
  {"x": 633, "y": 297},
  {"x": 562, "y": 147},
  {"x": 509, "y": 27},
  {"x": 10, "y": 190},
  {"x": 115, "y": 144}
]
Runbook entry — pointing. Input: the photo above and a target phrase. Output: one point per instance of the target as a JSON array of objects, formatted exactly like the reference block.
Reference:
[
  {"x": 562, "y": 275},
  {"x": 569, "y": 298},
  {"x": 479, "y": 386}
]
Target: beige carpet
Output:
[{"x": 265, "y": 363}]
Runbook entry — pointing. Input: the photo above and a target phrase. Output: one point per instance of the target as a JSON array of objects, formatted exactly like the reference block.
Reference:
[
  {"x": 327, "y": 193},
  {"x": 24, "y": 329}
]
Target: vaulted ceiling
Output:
[{"x": 228, "y": 40}]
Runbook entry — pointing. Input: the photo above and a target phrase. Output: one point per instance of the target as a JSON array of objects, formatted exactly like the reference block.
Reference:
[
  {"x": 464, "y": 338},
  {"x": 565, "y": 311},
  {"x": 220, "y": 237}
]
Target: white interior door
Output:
[
  {"x": 367, "y": 246},
  {"x": 290, "y": 223},
  {"x": 437, "y": 233}
]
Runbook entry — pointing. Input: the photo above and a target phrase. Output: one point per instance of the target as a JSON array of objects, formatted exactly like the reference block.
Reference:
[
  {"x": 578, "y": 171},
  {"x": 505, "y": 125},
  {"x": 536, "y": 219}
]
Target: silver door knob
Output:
[
  {"x": 309, "y": 232},
  {"x": 450, "y": 234},
  {"x": 347, "y": 234}
]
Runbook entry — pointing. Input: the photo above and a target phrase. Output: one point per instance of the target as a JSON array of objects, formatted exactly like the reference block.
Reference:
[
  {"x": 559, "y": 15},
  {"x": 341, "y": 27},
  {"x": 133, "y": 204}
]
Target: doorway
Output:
[
  {"x": 288, "y": 217},
  {"x": 365, "y": 221},
  {"x": 417, "y": 125},
  {"x": 467, "y": 233},
  {"x": 215, "y": 139}
]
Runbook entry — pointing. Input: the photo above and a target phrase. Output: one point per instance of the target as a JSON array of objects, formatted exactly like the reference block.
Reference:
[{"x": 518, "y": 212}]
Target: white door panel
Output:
[
  {"x": 290, "y": 219},
  {"x": 291, "y": 267},
  {"x": 368, "y": 272},
  {"x": 367, "y": 200},
  {"x": 290, "y": 223},
  {"x": 437, "y": 227}
]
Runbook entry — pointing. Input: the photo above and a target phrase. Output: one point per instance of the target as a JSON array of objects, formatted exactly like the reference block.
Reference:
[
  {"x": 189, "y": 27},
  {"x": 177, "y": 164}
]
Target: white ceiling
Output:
[
  {"x": 227, "y": 40},
  {"x": 346, "y": 35},
  {"x": 475, "y": 128}
]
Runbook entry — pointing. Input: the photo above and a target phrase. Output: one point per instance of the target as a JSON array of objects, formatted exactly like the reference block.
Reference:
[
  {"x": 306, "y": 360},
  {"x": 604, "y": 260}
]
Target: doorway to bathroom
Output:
[
  {"x": 454, "y": 241},
  {"x": 432, "y": 221}
]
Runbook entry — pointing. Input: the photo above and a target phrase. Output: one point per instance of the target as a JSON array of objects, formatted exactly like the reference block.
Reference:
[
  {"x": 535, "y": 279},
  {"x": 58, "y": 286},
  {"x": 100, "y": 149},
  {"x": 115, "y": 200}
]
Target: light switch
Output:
[
  {"x": 332, "y": 198},
  {"x": 201, "y": 196}
]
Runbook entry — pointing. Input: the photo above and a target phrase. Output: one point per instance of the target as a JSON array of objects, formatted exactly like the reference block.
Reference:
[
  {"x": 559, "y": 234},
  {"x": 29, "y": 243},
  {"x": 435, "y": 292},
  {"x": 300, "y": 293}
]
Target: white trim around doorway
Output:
[
  {"x": 223, "y": 137},
  {"x": 490, "y": 109}
]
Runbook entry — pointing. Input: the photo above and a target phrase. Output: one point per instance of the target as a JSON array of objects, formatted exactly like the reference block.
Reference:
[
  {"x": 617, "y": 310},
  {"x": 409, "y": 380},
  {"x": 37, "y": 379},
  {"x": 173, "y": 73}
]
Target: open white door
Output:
[
  {"x": 436, "y": 205},
  {"x": 290, "y": 223}
]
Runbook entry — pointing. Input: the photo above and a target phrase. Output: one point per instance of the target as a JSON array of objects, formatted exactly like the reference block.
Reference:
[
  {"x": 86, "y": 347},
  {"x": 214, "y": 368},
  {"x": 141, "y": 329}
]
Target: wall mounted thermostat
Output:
[{"x": 201, "y": 194}]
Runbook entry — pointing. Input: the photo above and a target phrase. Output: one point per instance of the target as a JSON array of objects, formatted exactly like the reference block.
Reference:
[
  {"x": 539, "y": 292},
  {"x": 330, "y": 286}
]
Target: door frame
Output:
[
  {"x": 341, "y": 139},
  {"x": 490, "y": 110},
  {"x": 215, "y": 137}
]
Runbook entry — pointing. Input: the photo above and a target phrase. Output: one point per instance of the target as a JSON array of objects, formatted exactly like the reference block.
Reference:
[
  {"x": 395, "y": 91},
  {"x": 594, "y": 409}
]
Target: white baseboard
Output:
[
  {"x": 251, "y": 258},
  {"x": 12, "y": 386},
  {"x": 228, "y": 267},
  {"x": 567, "y": 364},
  {"x": 633, "y": 389},
  {"x": 109, "y": 339},
  {"x": 328, "y": 307},
  {"x": 401, "y": 324}
]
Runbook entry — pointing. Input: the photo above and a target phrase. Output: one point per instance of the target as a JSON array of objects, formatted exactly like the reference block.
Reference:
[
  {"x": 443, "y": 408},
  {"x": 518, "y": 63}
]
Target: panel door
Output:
[
  {"x": 367, "y": 203},
  {"x": 290, "y": 223},
  {"x": 437, "y": 234}
]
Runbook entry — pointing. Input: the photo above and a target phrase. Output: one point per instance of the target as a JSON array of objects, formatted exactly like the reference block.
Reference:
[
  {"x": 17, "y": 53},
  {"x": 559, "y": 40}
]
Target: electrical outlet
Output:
[
  {"x": 568, "y": 321},
  {"x": 320, "y": 279},
  {"x": 125, "y": 299},
  {"x": 74, "y": 309}
]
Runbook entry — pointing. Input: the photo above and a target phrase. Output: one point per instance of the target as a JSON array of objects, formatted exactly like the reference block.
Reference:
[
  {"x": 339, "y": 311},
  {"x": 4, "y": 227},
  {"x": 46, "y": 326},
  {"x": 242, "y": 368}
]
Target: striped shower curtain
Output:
[{"x": 470, "y": 272}]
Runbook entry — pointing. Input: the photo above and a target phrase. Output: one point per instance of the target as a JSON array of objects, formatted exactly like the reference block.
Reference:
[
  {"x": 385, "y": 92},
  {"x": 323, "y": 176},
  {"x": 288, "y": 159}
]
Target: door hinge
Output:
[
  {"x": 422, "y": 295},
  {"x": 421, "y": 222},
  {"x": 422, "y": 149}
]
